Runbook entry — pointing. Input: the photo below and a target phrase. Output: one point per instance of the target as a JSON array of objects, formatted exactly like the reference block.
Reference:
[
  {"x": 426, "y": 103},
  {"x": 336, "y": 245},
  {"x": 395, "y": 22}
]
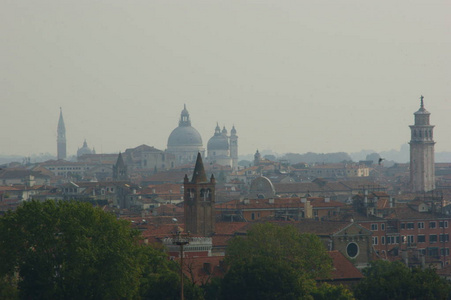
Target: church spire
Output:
[
  {"x": 199, "y": 171},
  {"x": 61, "y": 137},
  {"x": 61, "y": 127}
]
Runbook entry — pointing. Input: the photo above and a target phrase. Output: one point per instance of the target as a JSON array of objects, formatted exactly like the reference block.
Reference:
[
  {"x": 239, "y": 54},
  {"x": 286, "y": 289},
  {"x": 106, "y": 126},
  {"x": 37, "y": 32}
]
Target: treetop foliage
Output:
[
  {"x": 393, "y": 280},
  {"x": 284, "y": 244}
]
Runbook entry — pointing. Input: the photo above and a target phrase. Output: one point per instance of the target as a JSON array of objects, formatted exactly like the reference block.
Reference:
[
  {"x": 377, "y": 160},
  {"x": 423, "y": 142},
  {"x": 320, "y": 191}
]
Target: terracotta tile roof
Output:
[
  {"x": 9, "y": 188},
  {"x": 324, "y": 228},
  {"x": 343, "y": 268},
  {"x": 163, "y": 188},
  {"x": 161, "y": 231},
  {"x": 228, "y": 228},
  {"x": 405, "y": 212},
  {"x": 220, "y": 240},
  {"x": 316, "y": 202}
]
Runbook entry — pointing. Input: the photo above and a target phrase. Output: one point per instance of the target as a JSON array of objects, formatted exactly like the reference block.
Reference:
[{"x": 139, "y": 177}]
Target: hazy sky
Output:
[{"x": 293, "y": 76}]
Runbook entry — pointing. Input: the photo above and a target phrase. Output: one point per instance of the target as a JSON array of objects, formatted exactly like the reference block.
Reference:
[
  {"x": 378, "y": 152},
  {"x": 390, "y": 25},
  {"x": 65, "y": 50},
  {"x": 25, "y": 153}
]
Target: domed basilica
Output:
[
  {"x": 185, "y": 142},
  {"x": 223, "y": 149}
]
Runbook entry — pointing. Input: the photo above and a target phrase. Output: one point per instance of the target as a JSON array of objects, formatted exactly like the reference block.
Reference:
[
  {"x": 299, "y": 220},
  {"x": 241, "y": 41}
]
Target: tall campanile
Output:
[
  {"x": 199, "y": 201},
  {"x": 422, "y": 168},
  {"x": 61, "y": 138}
]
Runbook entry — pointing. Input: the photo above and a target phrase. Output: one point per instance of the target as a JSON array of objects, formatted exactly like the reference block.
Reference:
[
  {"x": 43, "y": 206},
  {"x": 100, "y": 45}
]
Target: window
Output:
[
  {"x": 432, "y": 238},
  {"x": 421, "y": 238},
  {"x": 383, "y": 240},
  {"x": 390, "y": 240},
  {"x": 253, "y": 216},
  {"x": 410, "y": 225},
  {"x": 432, "y": 224},
  {"x": 443, "y": 238},
  {"x": 382, "y": 226},
  {"x": 374, "y": 227},
  {"x": 397, "y": 240},
  {"x": 433, "y": 251},
  {"x": 420, "y": 225},
  {"x": 410, "y": 239},
  {"x": 422, "y": 251},
  {"x": 374, "y": 240},
  {"x": 352, "y": 250},
  {"x": 403, "y": 225},
  {"x": 443, "y": 224},
  {"x": 444, "y": 251}
]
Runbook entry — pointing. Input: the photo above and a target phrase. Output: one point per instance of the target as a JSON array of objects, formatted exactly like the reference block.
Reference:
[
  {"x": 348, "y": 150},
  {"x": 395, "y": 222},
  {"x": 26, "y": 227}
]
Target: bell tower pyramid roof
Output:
[{"x": 199, "y": 171}]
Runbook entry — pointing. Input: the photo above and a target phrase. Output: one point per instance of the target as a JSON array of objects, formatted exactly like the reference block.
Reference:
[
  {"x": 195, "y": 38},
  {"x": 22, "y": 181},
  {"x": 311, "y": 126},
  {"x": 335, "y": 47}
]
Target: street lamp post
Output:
[{"x": 181, "y": 240}]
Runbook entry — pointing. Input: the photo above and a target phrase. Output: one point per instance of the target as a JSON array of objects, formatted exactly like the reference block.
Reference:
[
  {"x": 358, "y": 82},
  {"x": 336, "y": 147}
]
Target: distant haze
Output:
[{"x": 292, "y": 76}]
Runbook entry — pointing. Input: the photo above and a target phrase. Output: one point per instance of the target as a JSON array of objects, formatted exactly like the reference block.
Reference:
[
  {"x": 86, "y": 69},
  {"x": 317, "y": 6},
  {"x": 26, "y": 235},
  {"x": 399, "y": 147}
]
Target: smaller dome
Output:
[
  {"x": 84, "y": 150},
  {"x": 219, "y": 141}
]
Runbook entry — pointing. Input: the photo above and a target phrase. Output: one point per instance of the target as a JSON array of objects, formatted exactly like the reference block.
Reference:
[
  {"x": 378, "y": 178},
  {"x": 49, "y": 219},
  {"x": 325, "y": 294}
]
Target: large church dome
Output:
[
  {"x": 219, "y": 141},
  {"x": 185, "y": 141},
  {"x": 184, "y": 136}
]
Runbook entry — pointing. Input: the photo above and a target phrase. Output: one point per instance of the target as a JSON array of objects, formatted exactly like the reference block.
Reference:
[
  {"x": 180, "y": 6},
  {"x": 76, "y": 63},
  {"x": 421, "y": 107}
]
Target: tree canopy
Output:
[
  {"x": 284, "y": 244},
  {"x": 393, "y": 280},
  {"x": 69, "y": 250},
  {"x": 274, "y": 262}
]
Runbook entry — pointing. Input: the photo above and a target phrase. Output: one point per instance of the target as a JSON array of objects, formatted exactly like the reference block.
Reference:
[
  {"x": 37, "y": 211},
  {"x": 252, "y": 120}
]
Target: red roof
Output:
[{"x": 343, "y": 268}]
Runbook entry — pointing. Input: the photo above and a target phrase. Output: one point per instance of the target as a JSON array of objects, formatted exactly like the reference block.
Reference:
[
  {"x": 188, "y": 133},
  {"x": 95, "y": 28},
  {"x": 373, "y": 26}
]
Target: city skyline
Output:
[{"x": 290, "y": 77}]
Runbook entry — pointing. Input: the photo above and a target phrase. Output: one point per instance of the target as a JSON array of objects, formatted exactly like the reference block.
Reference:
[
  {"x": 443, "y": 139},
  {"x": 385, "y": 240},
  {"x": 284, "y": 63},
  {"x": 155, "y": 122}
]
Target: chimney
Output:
[
  {"x": 327, "y": 199},
  {"x": 271, "y": 200}
]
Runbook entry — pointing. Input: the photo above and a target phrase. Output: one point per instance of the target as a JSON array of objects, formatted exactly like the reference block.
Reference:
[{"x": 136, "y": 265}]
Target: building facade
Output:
[{"x": 422, "y": 169}]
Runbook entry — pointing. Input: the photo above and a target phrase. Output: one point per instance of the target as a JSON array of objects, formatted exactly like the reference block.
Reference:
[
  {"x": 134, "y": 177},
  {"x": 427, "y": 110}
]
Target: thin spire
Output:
[
  {"x": 422, "y": 103},
  {"x": 61, "y": 127}
]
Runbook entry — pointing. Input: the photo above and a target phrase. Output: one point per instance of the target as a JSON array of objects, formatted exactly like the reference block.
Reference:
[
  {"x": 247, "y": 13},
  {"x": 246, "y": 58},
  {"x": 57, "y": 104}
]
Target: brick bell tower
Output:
[
  {"x": 199, "y": 201},
  {"x": 422, "y": 167}
]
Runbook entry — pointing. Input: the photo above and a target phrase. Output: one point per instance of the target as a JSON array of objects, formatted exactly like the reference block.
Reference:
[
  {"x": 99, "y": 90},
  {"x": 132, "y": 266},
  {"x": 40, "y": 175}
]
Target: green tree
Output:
[
  {"x": 69, "y": 250},
  {"x": 337, "y": 292},
  {"x": 161, "y": 279},
  {"x": 274, "y": 262},
  {"x": 304, "y": 252},
  {"x": 393, "y": 280}
]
